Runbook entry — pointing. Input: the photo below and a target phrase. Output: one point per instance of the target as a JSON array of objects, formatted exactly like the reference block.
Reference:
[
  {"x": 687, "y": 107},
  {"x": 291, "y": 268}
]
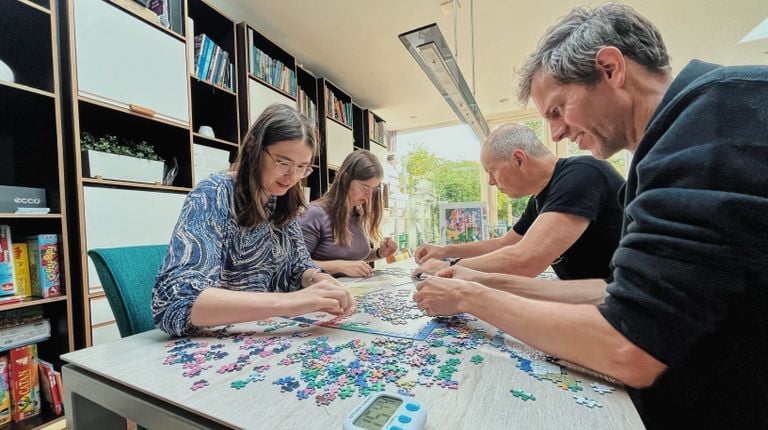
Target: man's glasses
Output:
[{"x": 285, "y": 167}]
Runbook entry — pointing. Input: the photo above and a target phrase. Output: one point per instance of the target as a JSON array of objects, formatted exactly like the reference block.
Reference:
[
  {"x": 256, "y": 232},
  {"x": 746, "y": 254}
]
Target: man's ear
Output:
[
  {"x": 611, "y": 65},
  {"x": 520, "y": 158}
]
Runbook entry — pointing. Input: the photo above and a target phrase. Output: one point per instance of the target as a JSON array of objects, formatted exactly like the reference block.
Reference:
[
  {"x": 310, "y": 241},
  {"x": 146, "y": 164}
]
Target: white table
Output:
[{"x": 127, "y": 379}]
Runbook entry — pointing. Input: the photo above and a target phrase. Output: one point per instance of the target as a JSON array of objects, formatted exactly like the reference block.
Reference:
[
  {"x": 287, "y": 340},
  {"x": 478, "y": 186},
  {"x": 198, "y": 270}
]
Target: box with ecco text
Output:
[{"x": 13, "y": 198}]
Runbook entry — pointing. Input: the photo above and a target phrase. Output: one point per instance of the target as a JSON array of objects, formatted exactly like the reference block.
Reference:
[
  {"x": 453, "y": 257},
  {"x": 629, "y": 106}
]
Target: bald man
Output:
[{"x": 572, "y": 221}]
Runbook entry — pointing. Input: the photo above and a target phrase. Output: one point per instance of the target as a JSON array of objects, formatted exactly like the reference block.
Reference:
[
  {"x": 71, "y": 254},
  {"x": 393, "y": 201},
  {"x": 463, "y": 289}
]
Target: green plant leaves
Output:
[{"x": 112, "y": 145}]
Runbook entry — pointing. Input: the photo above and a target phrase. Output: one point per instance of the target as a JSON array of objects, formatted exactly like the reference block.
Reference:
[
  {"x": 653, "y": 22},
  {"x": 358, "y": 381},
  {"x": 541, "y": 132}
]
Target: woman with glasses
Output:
[
  {"x": 340, "y": 227},
  {"x": 237, "y": 252}
]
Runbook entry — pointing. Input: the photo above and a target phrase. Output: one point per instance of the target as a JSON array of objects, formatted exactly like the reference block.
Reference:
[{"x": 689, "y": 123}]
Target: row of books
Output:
[
  {"x": 377, "y": 130},
  {"x": 212, "y": 63},
  {"x": 28, "y": 267},
  {"x": 23, "y": 379},
  {"x": 271, "y": 70},
  {"x": 307, "y": 106},
  {"x": 337, "y": 109}
]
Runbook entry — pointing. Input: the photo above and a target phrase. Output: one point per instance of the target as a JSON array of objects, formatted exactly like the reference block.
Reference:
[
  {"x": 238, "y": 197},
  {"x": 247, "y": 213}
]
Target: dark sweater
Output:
[{"x": 691, "y": 286}]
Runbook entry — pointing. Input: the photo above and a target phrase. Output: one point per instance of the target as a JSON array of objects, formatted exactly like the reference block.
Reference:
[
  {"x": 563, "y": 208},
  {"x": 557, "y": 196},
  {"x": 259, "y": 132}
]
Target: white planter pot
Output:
[{"x": 121, "y": 167}]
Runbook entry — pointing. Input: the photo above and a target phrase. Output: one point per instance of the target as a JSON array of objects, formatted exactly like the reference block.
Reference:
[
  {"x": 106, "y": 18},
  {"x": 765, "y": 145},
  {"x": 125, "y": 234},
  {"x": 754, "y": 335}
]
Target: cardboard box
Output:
[
  {"x": 21, "y": 265},
  {"x": 7, "y": 269},
  {"x": 12, "y": 198},
  {"x": 5, "y": 391},
  {"x": 44, "y": 265},
  {"x": 25, "y": 386}
]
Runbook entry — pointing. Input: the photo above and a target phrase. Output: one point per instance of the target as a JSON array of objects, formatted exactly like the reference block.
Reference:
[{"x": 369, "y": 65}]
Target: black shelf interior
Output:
[
  {"x": 28, "y": 147},
  {"x": 214, "y": 108},
  {"x": 169, "y": 141},
  {"x": 26, "y": 46}
]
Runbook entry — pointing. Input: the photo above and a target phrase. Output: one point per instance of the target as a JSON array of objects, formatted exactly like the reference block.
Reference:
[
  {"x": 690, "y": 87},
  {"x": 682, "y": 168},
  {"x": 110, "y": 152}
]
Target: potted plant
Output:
[{"x": 124, "y": 160}]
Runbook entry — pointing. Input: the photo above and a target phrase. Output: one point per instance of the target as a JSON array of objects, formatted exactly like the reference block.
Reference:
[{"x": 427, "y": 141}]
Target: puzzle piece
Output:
[
  {"x": 522, "y": 395},
  {"x": 590, "y": 403},
  {"x": 601, "y": 389},
  {"x": 477, "y": 359}
]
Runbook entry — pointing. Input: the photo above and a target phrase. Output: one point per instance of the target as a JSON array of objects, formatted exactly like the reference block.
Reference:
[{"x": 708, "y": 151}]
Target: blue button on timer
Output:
[
  {"x": 395, "y": 428},
  {"x": 413, "y": 407},
  {"x": 405, "y": 419}
]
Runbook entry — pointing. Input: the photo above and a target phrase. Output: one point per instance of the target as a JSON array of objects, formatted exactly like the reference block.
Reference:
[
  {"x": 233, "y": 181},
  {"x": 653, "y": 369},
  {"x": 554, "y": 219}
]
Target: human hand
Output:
[
  {"x": 442, "y": 296},
  {"x": 461, "y": 272},
  {"x": 430, "y": 267},
  {"x": 427, "y": 252},
  {"x": 387, "y": 247},
  {"x": 353, "y": 269},
  {"x": 325, "y": 296}
]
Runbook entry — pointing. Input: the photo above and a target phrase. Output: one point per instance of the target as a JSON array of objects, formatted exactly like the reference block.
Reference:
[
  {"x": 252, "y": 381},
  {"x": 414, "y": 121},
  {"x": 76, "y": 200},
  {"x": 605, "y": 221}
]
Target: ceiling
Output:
[{"x": 354, "y": 43}]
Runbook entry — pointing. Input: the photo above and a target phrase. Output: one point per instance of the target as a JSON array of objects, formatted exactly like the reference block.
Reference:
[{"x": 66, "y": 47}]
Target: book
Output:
[
  {"x": 5, "y": 391},
  {"x": 21, "y": 265},
  {"x": 48, "y": 389},
  {"x": 44, "y": 265},
  {"x": 7, "y": 270},
  {"x": 15, "y": 317},
  {"x": 24, "y": 334},
  {"x": 160, "y": 8},
  {"x": 25, "y": 388},
  {"x": 59, "y": 387}
]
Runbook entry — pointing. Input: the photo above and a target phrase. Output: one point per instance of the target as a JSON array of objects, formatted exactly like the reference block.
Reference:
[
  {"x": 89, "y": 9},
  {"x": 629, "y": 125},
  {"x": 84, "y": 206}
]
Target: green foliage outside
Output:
[
  {"x": 450, "y": 181},
  {"x": 618, "y": 160}
]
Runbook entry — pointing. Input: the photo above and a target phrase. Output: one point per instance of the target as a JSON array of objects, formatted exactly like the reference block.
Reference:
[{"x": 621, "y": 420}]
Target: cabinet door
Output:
[
  {"x": 116, "y": 217},
  {"x": 260, "y": 96},
  {"x": 123, "y": 60},
  {"x": 339, "y": 143}
]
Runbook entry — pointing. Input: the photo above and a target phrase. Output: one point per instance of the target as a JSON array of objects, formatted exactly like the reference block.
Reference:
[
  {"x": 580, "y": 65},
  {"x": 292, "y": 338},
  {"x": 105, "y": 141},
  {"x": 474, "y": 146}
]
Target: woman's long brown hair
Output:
[
  {"x": 360, "y": 165},
  {"x": 277, "y": 123}
]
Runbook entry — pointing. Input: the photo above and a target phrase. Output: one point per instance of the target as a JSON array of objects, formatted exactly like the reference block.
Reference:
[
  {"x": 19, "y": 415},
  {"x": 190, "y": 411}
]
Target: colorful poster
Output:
[{"x": 462, "y": 222}]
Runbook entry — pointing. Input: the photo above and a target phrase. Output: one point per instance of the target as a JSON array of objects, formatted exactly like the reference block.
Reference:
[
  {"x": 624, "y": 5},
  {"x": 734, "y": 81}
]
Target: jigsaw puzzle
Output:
[{"x": 382, "y": 308}]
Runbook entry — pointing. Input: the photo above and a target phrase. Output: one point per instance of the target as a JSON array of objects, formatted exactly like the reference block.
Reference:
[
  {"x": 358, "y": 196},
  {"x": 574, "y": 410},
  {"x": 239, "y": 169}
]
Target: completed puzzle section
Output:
[{"x": 382, "y": 308}]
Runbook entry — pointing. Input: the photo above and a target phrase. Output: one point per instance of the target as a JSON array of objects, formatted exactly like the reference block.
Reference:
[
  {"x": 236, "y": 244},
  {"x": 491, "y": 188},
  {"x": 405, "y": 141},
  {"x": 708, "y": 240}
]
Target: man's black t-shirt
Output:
[{"x": 589, "y": 188}]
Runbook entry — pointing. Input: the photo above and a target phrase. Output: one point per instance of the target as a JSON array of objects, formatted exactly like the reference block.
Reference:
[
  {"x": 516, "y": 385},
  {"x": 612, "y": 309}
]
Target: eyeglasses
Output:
[
  {"x": 368, "y": 190},
  {"x": 285, "y": 167}
]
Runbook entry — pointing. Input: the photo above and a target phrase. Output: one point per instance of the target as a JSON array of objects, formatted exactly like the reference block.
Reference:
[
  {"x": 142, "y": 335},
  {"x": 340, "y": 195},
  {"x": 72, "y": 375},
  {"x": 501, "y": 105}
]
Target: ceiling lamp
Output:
[{"x": 431, "y": 52}]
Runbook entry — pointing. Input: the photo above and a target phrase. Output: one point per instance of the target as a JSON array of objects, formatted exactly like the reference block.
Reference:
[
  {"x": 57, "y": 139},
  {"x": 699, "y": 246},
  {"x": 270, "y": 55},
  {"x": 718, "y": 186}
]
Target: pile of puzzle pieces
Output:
[{"x": 330, "y": 372}]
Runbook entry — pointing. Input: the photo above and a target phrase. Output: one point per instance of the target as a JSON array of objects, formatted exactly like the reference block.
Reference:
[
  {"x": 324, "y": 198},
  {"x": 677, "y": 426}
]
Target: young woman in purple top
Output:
[{"x": 340, "y": 227}]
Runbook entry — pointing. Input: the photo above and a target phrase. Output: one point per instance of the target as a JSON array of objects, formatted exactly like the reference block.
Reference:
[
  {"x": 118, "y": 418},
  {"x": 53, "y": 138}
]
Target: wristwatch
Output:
[{"x": 454, "y": 261}]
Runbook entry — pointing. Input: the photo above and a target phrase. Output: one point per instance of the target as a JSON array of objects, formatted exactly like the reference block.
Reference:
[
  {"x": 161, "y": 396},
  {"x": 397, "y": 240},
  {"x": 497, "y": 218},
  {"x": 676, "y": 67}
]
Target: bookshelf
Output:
[
  {"x": 336, "y": 129},
  {"x": 213, "y": 65},
  {"x": 307, "y": 105},
  {"x": 31, "y": 155},
  {"x": 267, "y": 75},
  {"x": 110, "y": 51},
  {"x": 375, "y": 129}
]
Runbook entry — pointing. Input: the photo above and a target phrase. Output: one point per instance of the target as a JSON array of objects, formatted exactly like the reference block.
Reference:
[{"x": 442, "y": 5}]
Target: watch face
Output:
[{"x": 377, "y": 413}]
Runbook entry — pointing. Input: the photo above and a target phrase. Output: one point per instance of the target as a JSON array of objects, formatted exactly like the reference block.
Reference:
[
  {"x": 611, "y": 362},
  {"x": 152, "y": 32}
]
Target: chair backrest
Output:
[{"x": 127, "y": 275}]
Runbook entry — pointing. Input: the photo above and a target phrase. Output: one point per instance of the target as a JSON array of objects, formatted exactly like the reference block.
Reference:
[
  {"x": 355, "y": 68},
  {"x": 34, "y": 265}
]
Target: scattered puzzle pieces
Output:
[{"x": 522, "y": 395}]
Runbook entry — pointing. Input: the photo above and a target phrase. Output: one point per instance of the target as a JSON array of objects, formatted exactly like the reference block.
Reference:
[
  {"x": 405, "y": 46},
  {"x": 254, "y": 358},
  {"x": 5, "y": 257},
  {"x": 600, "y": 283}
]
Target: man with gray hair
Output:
[
  {"x": 572, "y": 221},
  {"x": 685, "y": 320}
]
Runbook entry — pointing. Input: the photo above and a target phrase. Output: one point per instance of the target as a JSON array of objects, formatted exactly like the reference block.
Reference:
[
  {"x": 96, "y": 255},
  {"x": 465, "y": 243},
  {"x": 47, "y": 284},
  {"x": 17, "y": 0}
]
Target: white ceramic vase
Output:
[{"x": 6, "y": 74}]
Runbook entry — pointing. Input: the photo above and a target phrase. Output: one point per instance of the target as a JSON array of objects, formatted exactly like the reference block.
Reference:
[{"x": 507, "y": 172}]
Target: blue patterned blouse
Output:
[{"x": 209, "y": 249}]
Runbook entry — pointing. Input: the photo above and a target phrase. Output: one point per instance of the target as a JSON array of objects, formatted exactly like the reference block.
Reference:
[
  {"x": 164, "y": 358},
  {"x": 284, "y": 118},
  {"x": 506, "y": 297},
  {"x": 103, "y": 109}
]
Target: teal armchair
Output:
[{"x": 127, "y": 275}]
